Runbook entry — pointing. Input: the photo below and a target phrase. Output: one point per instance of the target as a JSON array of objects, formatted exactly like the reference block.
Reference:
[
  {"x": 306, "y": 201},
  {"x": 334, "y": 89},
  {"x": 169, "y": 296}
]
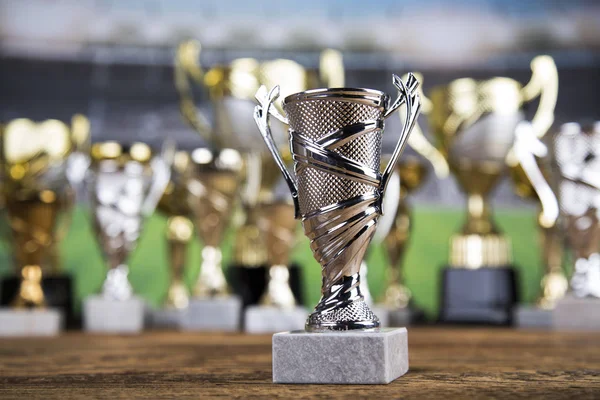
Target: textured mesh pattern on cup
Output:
[
  {"x": 315, "y": 119},
  {"x": 355, "y": 311}
]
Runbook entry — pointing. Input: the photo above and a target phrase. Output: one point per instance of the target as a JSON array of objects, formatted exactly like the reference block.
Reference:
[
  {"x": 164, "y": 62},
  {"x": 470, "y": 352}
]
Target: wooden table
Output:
[{"x": 444, "y": 362}]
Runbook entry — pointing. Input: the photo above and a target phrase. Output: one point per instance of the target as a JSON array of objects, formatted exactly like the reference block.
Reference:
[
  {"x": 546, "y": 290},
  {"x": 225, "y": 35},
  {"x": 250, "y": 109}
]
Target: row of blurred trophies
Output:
[{"x": 480, "y": 133}]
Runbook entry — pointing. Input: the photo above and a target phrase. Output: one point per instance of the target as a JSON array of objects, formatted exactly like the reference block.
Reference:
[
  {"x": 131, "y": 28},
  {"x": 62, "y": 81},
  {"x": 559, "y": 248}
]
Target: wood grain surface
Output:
[{"x": 444, "y": 362}]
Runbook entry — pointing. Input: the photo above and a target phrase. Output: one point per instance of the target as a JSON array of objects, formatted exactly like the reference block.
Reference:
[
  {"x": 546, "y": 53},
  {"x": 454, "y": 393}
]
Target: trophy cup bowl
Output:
[
  {"x": 174, "y": 205},
  {"x": 278, "y": 309},
  {"x": 38, "y": 200},
  {"x": 573, "y": 194},
  {"x": 211, "y": 191},
  {"x": 125, "y": 185},
  {"x": 335, "y": 141}
]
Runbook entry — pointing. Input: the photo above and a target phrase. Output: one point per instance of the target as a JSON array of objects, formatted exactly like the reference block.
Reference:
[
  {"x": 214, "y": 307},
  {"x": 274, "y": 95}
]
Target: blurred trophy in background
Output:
[
  {"x": 231, "y": 90},
  {"x": 395, "y": 306},
  {"x": 211, "y": 193},
  {"x": 335, "y": 139},
  {"x": 278, "y": 309},
  {"x": 572, "y": 159},
  {"x": 474, "y": 125},
  {"x": 125, "y": 185},
  {"x": 174, "y": 204},
  {"x": 35, "y": 159}
]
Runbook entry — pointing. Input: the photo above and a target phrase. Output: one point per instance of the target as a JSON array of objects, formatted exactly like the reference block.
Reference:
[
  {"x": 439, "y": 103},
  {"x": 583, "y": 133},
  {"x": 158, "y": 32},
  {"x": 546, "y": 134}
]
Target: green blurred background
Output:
[{"x": 427, "y": 255}]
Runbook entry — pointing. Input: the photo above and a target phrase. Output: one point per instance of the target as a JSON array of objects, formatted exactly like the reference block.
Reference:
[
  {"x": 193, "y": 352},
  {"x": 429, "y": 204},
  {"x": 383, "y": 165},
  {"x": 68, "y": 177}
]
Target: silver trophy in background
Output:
[
  {"x": 335, "y": 140},
  {"x": 572, "y": 197},
  {"x": 125, "y": 186}
]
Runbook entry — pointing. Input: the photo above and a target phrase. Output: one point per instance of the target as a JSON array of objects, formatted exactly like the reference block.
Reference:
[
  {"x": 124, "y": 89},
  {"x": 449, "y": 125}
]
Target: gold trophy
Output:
[
  {"x": 174, "y": 203},
  {"x": 473, "y": 123},
  {"x": 38, "y": 200},
  {"x": 231, "y": 90},
  {"x": 211, "y": 192},
  {"x": 278, "y": 310}
]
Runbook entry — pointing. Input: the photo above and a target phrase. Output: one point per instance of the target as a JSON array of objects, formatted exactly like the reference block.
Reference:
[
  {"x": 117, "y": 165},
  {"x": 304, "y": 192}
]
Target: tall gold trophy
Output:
[
  {"x": 174, "y": 204},
  {"x": 474, "y": 123},
  {"x": 38, "y": 200},
  {"x": 231, "y": 89}
]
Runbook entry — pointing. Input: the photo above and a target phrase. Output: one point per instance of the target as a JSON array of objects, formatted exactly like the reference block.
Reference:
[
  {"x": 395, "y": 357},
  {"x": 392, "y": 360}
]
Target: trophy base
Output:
[
  {"x": 526, "y": 317},
  {"x": 213, "y": 314},
  {"x": 250, "y": 282},
  {"x": 57, "y": 293},
  {"x": 351, "y": 357},
  {"x": 478, "y": 296},
  {"x": 101, "y": 315},
  {"x": 268, "y": 319},
  {"x": 576, "y": 314},
  {"x": 43, "y": 322},
  {"x": 166, "y": 318},
  {"x": 395, "y": 318}
]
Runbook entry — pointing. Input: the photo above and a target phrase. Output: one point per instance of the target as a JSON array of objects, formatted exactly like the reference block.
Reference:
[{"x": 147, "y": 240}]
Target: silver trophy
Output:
[
  {"x": 335, "y": 140},
  {"x": 125, "y": 186},
  {"x": 571, "y": 159}
]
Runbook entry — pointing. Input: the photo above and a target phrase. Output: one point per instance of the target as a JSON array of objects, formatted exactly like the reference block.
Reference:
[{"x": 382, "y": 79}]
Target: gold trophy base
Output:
[{"x": 473, "y": 251}]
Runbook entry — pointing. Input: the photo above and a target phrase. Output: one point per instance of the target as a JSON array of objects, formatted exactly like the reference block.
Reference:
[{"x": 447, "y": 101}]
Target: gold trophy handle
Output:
[
  {"x": 406, "y": 93},
  {"x": 186, "y": 68},
  {"x": 527, "y": 146},
  {"x": 543, "y": 83},
  {"x": 262, "y": 113},
  {"x": 331, "y": 69},
  {"x": 419, "y": 142}
]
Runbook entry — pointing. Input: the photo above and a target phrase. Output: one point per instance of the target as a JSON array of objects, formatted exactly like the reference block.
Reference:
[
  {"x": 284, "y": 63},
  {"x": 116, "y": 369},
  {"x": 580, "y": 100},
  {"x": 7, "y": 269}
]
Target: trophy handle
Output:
[
  {"x": 406, "y": 92},
  {"x": 543, "y": 83},
  {"x": 187, "y": 66},
  {"x": 419, "y": 142},
  {"x": 262, "y": 113},
  {"x": 527, "y": 146},
  {"x": 331, "y": 68},
  {"x": 161, "y": 174}
]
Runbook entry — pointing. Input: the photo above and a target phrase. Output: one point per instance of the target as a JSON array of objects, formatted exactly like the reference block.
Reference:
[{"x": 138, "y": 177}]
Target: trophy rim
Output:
[{"x": 373, "y": 97}]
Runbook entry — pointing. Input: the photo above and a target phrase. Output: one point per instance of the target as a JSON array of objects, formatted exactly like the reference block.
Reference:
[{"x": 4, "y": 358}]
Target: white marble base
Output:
[
  {"x": 269, "y": 319},
  {"x": 351, "y": 357},
  {"x": 577, "y": 314},
  {"x": 101, "y": 315},
  {"x": 393, "y": 318},
  {"x": 527, "y": 316},
  {"x": 43, "y": 322},
  {"x": 166, "y": 318},
  {"x": 213, "y": 314}
]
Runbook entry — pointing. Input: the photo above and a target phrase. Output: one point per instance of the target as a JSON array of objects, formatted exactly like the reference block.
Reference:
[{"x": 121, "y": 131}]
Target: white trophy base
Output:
[
  {"x": 43, "y": 322},
  {"x": 576, "y": 314},
  {"x": 532, "y": 317},
  {"x": 101, "y": 315},
  {"x": 269, "y": 319},
  {"x": 166, "y": 318},
  {"x": 213, "y": 314},
  {"x": 393, "y": 318},
  {"x": 350, "y": 357}
]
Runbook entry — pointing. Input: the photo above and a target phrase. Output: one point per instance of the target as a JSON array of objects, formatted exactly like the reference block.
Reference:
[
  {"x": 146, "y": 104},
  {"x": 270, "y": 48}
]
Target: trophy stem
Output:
[
  {"x": 30, "y": 293},
  {"x": 116, "y": 285},
  {"x": 179, "y": 234},
  {"x": 397, "y": 295},
  {"x": 554, "y": 284},
  {"x": 249, "y": 248},
  {"x": 211, "y": 281},
  {"x": 279, "y": 293}
]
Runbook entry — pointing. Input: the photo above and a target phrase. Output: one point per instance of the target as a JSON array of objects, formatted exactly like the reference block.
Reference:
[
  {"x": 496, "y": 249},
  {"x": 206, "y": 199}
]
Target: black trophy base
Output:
[
  {"x": 483, "y": 296},
  {"x": 57, "y": 292},
  {"x": 250, "y": 282}
]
